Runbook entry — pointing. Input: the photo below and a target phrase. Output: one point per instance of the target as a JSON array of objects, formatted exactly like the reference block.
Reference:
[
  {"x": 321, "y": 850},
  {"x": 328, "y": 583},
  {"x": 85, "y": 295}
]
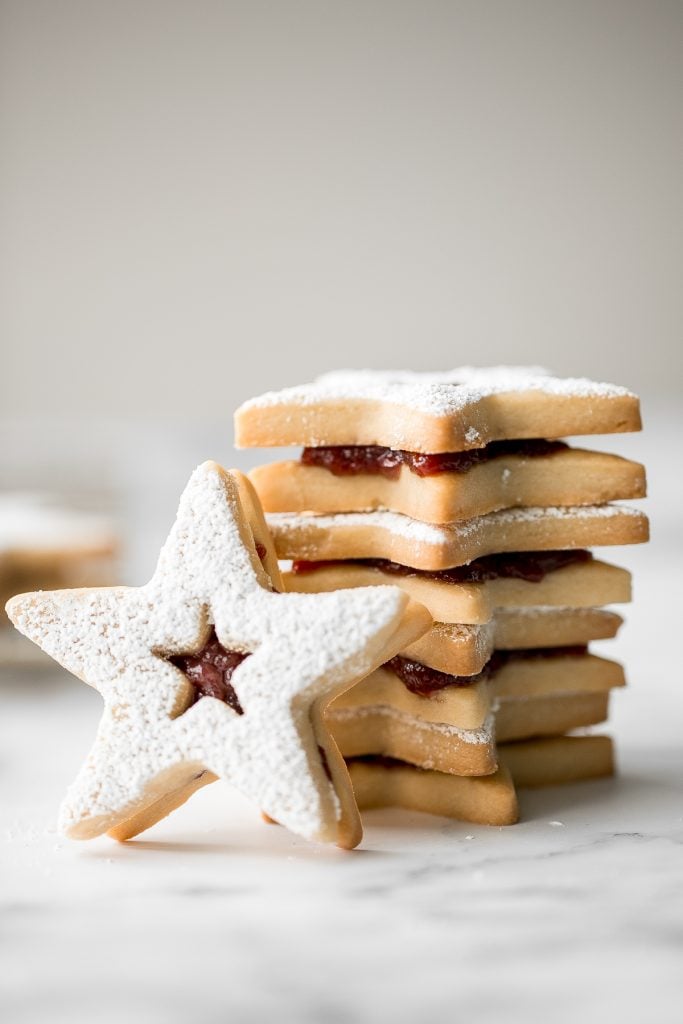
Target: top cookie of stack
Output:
[{"x": 442, "y": 448}]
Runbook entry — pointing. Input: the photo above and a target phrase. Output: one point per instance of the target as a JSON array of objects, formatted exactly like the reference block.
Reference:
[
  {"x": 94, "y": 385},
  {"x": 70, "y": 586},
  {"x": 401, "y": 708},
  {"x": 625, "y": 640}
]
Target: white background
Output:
[{"x": 203, "y": 200}]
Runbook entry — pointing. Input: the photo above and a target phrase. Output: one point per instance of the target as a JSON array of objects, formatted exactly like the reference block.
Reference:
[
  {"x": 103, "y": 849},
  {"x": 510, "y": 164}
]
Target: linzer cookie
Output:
[
  {"x": 382, "y": 729},
  {"x": 461, "y": 649},
  {"x": 453, "y": 411},
  {"x": 399, "y": 538},
  {"x": 550, "y": 716},
  {"x": 558, "y": 760},
  {"x": 443, "y": 488},
  {"x": 208, "y": 671},
  {"x": 451, "y": 724},
  {"x": 491, "y": 799},
  {"x": 389, "y": 782},
  {"x": 444, "y": 722},
  {"x": 473, "y": 593},
  {"x": 457, "y": 487},
  {"x": 551, "y": 627}
]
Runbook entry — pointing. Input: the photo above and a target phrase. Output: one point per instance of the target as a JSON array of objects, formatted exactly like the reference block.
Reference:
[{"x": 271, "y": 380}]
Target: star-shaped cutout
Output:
[{"x": 290, "y": 655}]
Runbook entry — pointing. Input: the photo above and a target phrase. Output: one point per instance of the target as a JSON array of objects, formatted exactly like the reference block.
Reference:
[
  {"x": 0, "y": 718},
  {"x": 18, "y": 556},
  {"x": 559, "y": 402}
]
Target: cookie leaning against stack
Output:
[
  {"x": 209, "y": 670},
  {"x": 455, "y": 487}
]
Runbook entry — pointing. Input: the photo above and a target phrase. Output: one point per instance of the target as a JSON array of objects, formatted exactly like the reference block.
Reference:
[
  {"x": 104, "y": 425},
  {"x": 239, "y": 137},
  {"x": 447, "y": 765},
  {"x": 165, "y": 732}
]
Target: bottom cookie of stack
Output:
[
  {"x": 380, "y": 781},
  {"x": 419, "y": 739}
]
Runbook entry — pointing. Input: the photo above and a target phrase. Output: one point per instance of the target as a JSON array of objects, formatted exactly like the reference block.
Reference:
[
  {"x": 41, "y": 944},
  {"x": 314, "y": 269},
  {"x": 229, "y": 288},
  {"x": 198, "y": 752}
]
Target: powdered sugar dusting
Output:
[
  {"x": 435, "y": 393},
  {"x": 393, "y": 522},
  {"x": 422, "y": 730},
  {"x": 566, "y": 512},
  {"x": 462, "y": 633},
  {"x": 303, "y": 647},
  {"x": 286, "y": 524},
  {"x": 541, "y": 611}
]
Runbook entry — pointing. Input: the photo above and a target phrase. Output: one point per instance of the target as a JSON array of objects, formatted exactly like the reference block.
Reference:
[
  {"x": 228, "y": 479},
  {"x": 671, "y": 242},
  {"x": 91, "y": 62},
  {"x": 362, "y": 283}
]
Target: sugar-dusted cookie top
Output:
[
  {"x": 431, "y": 546},
  {"x": 208, "y": 669},
  {"x": 434, "y": 412}
]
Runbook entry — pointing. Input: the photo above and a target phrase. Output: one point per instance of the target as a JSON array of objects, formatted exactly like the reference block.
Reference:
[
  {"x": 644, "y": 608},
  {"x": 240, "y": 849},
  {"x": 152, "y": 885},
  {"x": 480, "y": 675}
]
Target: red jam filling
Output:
[
  {"x": 531, "y": 566},
  {"x": 325, "y": 763},
  {"x": 383, "y": 761},
  {"x": 210, "y": 671},
  {"x": 425, "y": 681},
  {"x": 351, "y": 460}
]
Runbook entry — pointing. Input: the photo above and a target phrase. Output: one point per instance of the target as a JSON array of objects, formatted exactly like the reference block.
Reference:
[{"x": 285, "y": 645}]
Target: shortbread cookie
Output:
[
  {"x": 434, "y": 412},
  {"x": 552, "y": 671},
  {"x": 514, "y": 474},
  {"x": 489, "y": 800},
  {"x": 45, "y": 546},
  {"x": 263, "y": 545},
  {"x": 555, "y": 760},
  {"x": 473, "y": 593},
  {"x": 208, "y": 669},
  {"x": 464, "y": 649},
  {"x": 384, "y": 730},
  {"x": 451, "y": 729},
  {"x": 465, "y": 701},
  {"x": 427, "y": 546},
  {"x": 387, "y": 782},
  {"x": 553, "y": 627},
  {"x": 255, "y": 520},
  {"x": 527, "y": 718}
]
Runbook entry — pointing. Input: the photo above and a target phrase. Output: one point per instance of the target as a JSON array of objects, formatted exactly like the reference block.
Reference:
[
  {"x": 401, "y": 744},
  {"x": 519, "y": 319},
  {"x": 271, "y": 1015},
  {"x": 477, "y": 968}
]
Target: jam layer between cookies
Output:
[
  {"x": 352, "y": 460},
  {"x": 531, "y": 566},
  {"x": 424, "y": 681},
  {"x": 210, "y": 671}
]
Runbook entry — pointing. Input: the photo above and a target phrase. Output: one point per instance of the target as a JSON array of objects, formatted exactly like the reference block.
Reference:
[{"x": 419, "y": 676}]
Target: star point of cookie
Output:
[{"x": 160, "y": 736}]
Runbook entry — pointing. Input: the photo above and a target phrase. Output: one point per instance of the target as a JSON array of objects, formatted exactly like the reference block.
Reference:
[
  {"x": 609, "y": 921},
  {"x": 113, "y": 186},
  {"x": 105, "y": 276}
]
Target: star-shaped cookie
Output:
[
  {"x": 450, "y": 411},
  {"x": 208, "y": 671}
]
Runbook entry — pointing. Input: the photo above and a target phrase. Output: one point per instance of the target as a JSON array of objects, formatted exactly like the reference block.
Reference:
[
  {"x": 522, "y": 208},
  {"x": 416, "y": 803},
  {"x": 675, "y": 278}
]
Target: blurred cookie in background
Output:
[{"x": 47, "y": 545}]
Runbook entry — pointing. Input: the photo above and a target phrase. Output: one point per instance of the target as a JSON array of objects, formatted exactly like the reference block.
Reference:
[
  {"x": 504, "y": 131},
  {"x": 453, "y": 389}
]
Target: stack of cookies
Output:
[{"x": 454, "y": 487}]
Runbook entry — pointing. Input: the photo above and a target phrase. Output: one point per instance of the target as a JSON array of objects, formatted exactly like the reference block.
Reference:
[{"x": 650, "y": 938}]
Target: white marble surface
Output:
[{"x": 576, "y": 914}]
